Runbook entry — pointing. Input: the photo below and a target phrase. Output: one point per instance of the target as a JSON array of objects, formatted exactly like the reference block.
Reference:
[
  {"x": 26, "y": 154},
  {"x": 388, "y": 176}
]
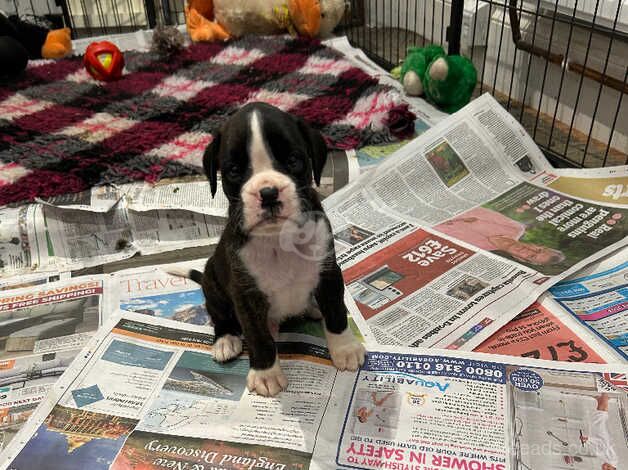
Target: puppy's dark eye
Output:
[
  {"x": 232, "y": 172},
  {"x": 295, "y": 162}
]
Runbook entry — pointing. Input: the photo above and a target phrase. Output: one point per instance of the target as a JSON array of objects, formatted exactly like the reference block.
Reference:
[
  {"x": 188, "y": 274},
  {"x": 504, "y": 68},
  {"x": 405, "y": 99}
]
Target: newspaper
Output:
[
  {"x": 146, "y": 394},
  {"x": 45, "y": 237},
  {"x": 153, "y": 291},
  {"x": 163, "y": 230},
  {"x": 546, "y": 331},
  {"x": 27, "y": 280},
  {"x": 77, "y": 239},
  {"x": 448, "y": 239},
  {"x": 19, "y": 245},
  {"x": 193, "y": 194},
  {"x": 607, "y": 185},
  {"x": 599, "y": 301},
  {"x": 96, "y": 199},
  {"x": 43, "y": 328},
  {"x": 549, "y": 330}
]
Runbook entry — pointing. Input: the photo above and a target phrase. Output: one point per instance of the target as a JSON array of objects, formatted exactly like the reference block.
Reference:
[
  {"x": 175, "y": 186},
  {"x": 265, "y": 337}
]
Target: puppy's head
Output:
[{"x": 266, "y": 158}]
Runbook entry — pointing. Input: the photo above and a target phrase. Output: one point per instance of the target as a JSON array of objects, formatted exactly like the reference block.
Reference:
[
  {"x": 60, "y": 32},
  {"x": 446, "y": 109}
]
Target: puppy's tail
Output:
[{"x": 192, "y": 274}]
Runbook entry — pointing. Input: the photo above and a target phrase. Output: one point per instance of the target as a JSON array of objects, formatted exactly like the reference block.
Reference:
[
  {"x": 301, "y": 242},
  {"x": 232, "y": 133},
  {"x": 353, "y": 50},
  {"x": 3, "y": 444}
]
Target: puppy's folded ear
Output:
[
  {"x": 317, "y": 149},
  {"x": 211, "y": 162}
]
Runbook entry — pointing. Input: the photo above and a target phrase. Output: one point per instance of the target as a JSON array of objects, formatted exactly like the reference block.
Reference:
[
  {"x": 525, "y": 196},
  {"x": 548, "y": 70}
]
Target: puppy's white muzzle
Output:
[{"x": 267, "y": 216}]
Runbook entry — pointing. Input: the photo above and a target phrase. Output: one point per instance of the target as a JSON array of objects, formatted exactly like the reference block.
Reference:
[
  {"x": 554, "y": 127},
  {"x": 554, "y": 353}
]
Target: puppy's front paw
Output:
[
  {"x": 349, "y": 356},
  {"x": 227, "y": 347},
  {"x": 346, "y": 352},
  {"x": 267, "y": 382}
]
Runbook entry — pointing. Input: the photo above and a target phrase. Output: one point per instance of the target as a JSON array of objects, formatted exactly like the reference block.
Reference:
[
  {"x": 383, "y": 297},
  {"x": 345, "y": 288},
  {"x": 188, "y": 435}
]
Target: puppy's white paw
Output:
[
  {"x": 346, "y": 352},
  {"x": 267, "y": 382},
  {"x": 227, "y": 347},
  {"x": 348, "y": 357}
]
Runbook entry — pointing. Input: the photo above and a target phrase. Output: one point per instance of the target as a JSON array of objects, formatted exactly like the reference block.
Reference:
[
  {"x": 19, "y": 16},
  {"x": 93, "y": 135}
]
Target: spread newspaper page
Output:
[
  {"x": 43, "y": 237},
  {"x": 460, "y": 230},
  {"x": 43, "y": 327},
  {"x": 598, "y": 300},
  {"x": 146, "y": 394},
  {"x": 544, "y": 330},
  {"x": 580, "y": 319}
]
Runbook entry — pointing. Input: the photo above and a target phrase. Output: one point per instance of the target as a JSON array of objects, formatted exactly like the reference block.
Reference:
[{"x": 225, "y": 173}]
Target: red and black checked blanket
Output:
[{"x": 62, "y": 132}]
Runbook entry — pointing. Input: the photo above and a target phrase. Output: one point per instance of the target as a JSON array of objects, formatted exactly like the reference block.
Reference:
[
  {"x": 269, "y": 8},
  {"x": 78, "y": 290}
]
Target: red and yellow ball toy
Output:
[{"x": 104, "y": 61}]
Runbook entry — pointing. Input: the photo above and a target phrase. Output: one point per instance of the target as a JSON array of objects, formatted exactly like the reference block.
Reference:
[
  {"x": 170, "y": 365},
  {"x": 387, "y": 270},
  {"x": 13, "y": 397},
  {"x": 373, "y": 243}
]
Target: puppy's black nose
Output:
[{"x": 269, "y": 196}]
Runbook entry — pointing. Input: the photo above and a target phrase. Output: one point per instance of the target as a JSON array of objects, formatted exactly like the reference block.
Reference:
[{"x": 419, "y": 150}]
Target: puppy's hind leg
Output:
[
  {"x": 346, "y": 352},
  {"x": 228, "y": 344},
  {"x": 227, "y": 347}
]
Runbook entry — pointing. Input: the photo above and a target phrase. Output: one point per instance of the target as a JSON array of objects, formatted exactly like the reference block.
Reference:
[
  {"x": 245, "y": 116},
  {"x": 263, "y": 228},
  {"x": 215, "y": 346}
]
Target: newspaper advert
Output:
[
  {"x": 468, "y": 411},
  {"x": 43, "y": 329},
  {"x": 24, "y": 382},
  {"x": 543, "y": 331},
  {"x": 147, "y": 395},
  {"x": 447, "y": 239},
  {"x": 599, "y": 301},
  {"x": 154, "y": 292},
  {"x": 606, "y": 185}
]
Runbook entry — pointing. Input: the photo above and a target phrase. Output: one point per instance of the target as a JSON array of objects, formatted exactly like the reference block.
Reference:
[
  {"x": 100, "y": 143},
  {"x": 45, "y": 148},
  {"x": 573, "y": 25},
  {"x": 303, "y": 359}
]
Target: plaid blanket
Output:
[{"x": 62, "y": 132}]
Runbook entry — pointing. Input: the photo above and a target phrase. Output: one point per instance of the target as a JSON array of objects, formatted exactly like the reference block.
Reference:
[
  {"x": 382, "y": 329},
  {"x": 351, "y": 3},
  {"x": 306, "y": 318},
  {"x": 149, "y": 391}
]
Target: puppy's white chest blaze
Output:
[{"x": 286, "y": 267}]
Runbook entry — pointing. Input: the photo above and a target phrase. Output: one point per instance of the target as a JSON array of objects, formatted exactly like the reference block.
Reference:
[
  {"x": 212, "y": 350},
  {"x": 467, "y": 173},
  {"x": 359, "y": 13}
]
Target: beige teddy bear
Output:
[{"x": 219, "y": 20}]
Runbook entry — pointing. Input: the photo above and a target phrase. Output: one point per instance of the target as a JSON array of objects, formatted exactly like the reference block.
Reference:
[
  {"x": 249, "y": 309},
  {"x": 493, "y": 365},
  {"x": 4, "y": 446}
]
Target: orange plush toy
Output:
[
  {"x": 37, "y": 39},
  {"x": 219, "y": 20},
  {"x": 58, "y": 44}
]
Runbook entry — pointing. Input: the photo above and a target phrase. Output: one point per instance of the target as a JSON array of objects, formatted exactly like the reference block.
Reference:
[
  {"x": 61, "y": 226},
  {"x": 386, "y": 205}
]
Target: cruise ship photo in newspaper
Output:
[{"x": 200, "y": 384}]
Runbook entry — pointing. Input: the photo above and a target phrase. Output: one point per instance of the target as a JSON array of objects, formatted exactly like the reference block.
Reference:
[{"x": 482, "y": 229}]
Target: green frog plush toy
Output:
[{"x": 446, "y": 81}]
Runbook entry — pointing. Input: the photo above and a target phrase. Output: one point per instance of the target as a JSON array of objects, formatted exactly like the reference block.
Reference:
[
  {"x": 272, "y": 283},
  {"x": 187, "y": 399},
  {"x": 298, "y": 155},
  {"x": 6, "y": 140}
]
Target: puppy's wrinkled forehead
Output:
[{"x": 262, "y": 138}]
